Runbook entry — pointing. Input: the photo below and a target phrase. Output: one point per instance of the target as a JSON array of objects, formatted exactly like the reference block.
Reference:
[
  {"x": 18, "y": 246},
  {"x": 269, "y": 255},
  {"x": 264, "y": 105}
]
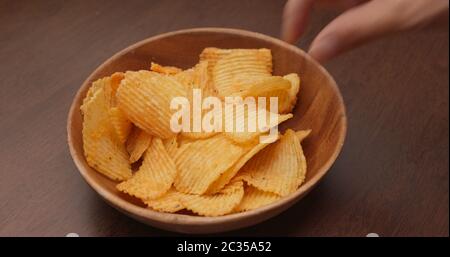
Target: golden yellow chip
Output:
[
  {"x": 274, "y": 86},
  {"x": 255, "y": 198},
  {"x": 145, "y": 98},
  {"x": 122, "y": 126},
  {"x": 212, "y": 55},
  {"x": 201, "y": 162},
  {"x": 279, "y": 168},
  {"x": 215, "y": 205},
  {"x": 137, "y": 144},
  {"x": 170, "y": 202},
  {"x": 226, "y": 177},
  {"x": 294, "y": 79},
  {"x": 248, "y": 121},
  {"x": 102, "y": 149},
  {"x": 186, "y": 78},
  {"x": 102, "y": 83},
  {"x": 238, "y": 67},
  {"x": 171, "y": 146},
  {"x": 302, "y": 134},
  {"x": 168, "y": 70},
  {"x": 155, "y": 176}
]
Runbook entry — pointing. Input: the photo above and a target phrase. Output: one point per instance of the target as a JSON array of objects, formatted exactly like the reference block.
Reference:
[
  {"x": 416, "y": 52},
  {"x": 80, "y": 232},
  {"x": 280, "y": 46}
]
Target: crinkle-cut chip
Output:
[
  {"x": 95, "y": 87},
  {"x": 201, "y": 162},
  {"x": 267, "y": 87},
  {"x": 197, "y": 135},
  {"x": 122, "y": 126},
  {"x": 237, "y": 67},
  {"x": 302, "y": 134},
  {"x": 250, "y": 128},
  {"x": 186, "y": 78},
  {"x": 215, "y": 205},
  {"x": 213, "y": 54},
  {"x": 116, "y": 78},
  {"x": 145, "y": 98},
  {"x": 170, "y": 202},
  {"x": 255, "y": 198},
  {"x": 201, "y": 77},
  {"x": 294, "y": 79},
  {"x": 155, "y": 176},
  {"x": 168, "y": 70},
  {"x": 228, "y": 175},
  {"x": 137, "y": 144},
  {"x": 171, "y": 146},
  {"x": 102, "y": 149},
  {"x": 279, "y": 168}
]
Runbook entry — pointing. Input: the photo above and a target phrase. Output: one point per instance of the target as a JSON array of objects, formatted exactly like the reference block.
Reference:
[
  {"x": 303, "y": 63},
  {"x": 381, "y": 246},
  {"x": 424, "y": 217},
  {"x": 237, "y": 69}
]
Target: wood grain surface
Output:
[{"x": 392, "y": 177}]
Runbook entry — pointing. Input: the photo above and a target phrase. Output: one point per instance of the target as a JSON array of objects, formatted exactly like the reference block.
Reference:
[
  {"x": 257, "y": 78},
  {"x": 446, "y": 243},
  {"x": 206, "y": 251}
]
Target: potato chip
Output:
[
  {"x": 155, "y": 176},
  {"x": 145, "y": 98},
  {"x": 226, "y": 177},
  {"x": 250, "y": 129},
  {"x": 279, "y": 168},
  {"x": 255, "y": 198},
  {"x": 170, "y": 202},
  {"x": 302, "y": 134},
  {"x": 102, "y": 149},
  {"x": 238, "y": 67},
  {"x": 201, "y": 162},
  {"x": 215, "y": 205},
  {"x": 212, "y": 55},
  {"x": 168, "y": 70},
  {"x": 116, "y": 78},
  {"x": 267, "y": 87},
  {"x": 294, "y": 79},
  {"x": 171, "y": 146},
  {"x": 137, "y": 144},
  {"x": 122, "y": 126},
  {"x": 96, "y": 86}
]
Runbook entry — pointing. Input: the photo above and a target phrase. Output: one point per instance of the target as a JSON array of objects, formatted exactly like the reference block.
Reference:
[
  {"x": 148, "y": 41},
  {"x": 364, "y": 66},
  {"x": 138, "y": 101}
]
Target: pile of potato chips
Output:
[{"x": 126, "y": 123}]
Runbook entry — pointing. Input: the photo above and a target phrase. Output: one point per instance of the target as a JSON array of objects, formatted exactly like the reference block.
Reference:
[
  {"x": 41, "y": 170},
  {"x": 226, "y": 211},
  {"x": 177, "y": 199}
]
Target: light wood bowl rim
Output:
[{"x": 183, "y": 219}]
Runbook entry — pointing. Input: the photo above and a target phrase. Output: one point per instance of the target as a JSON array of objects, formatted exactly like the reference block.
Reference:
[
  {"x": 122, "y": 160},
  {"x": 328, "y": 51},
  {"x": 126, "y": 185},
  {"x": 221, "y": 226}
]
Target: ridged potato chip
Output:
[
  {"x": 102, "y": 149},
  {"x": 122, "y": 126},
  {"x": 103, "y": 83},
  {"x": 171, "y": 146},
  {"x": 279, "y": 168},
  {"x": 137, "y": 144},
  {"x": 168, "y": 70},
  {"x": 213, "y": 54},
  {"x": 201, "y": 162},
  {"x": 238, "y": 67},
  {"x": 267, "y": 87},
  {"x": 186, "y": 78},
  {"x": 170, "y": 202},
  {"x": 294, "y": 79},
  {"x": 145, "y": 98},
  {"x": 155, "y": 176},
  {"x": 218, "y": 204},
  {"x": 226, "y": 177},
  {"x": 255, "y": 198},
  {"x": 248, "y": 118}
]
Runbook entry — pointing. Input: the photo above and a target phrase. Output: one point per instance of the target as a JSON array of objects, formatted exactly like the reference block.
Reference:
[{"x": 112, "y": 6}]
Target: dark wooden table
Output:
[{"x": 392, "y": 177}]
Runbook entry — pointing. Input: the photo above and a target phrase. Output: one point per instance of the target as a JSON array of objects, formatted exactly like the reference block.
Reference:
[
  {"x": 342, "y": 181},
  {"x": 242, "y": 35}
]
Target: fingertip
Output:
[{"x": 323, "y": 49}]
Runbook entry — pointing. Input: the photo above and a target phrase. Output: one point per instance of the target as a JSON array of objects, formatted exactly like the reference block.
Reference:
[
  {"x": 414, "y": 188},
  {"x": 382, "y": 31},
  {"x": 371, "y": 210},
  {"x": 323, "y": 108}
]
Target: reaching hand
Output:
[{"x": 360, "y": 22}]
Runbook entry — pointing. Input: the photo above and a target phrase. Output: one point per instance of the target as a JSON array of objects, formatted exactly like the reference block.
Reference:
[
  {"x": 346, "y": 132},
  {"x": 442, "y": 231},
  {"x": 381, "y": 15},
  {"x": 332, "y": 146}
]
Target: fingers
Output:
[
  {"x": 296, "y": 14},
  {"x": 295, "y": 19},
  {"x": 354, "y": 27}
]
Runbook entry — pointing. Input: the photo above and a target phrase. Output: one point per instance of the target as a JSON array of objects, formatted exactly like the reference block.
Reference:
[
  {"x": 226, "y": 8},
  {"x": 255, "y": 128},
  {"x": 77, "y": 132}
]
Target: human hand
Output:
[{"x": 360, "y": 22}]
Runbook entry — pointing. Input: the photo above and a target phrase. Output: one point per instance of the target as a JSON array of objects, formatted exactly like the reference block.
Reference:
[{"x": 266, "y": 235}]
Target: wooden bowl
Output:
[{"x": 320, "y": 107}]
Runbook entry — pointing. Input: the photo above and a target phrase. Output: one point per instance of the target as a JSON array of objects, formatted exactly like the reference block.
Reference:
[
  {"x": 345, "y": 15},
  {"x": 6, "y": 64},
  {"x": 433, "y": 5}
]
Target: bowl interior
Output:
[{"x": 320, "y": 106}]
